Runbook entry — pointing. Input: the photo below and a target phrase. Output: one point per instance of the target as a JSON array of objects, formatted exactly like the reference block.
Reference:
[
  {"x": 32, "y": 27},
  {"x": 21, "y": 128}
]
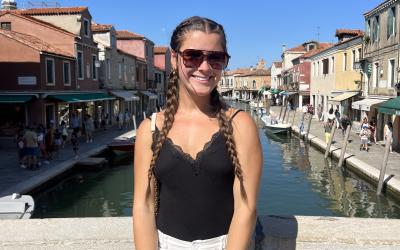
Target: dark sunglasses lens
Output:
[
  {"x": 192, "y": 58},
  {"x": 217, "y": 60}
]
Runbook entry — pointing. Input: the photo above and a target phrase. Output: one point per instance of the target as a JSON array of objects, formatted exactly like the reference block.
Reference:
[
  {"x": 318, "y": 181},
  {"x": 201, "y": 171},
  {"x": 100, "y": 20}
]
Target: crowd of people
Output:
[
  {"x": 367, "y": 130},
  {"x": 39, "y": 145}
]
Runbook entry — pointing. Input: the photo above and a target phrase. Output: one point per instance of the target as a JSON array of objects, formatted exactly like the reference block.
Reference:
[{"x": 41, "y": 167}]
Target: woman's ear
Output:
[{"x": 174, "y": 59}]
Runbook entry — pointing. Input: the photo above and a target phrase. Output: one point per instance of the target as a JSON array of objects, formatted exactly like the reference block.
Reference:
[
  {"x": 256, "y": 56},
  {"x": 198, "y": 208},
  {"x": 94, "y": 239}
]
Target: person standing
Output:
[
  {"x": 388, "y": 133},
  {"x": 75, "y": 144},
  {"x": 89, "y": 128},
  {"x": 127, "y": 117},
  {"x": 328, "y": 129},
  {"x": 120, "y": 119},
  {"x": 207, "y": 196},
  {"x": 75, "y": 122},
  {"x": 31, "y": 148},
  {"x": 319, "y": 112}
]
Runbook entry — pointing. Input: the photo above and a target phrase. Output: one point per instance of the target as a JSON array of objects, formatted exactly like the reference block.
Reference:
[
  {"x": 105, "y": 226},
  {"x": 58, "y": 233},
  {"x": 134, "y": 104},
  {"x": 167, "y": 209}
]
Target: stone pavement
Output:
[
  {"x": 373, "y": 157},
  {"x": 12, "y": 175}
]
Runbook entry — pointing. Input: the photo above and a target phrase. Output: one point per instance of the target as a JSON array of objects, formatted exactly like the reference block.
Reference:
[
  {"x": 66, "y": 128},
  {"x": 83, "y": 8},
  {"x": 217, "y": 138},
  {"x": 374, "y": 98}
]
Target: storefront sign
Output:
[{"x": 26, "y": 80}]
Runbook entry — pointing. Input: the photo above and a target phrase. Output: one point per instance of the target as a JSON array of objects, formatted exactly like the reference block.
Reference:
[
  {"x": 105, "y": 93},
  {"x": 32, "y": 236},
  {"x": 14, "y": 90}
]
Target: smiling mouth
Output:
[{"x": 202, "y": 79}]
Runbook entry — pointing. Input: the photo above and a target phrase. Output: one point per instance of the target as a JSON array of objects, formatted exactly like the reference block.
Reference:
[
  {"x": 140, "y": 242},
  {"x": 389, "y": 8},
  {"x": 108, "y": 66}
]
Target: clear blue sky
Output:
[{"x": 255, "y": 29}]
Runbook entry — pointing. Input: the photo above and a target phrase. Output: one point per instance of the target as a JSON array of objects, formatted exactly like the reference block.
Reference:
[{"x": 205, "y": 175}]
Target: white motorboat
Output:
[
  {"x": 275, "y": 126},
  {"x": 16, "y": 206}
]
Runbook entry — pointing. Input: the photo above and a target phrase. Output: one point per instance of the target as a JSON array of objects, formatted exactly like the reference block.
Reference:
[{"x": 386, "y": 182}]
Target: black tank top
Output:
[{"x": 195, "y": 195}]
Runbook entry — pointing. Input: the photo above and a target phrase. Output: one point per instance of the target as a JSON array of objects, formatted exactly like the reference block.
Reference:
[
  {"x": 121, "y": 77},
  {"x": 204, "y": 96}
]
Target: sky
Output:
[{"x": 255, "y": 29}]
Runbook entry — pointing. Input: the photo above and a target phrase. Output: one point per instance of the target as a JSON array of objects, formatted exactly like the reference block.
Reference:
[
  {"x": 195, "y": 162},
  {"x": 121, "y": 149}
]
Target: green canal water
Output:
[{"x": 296, "y": 180}]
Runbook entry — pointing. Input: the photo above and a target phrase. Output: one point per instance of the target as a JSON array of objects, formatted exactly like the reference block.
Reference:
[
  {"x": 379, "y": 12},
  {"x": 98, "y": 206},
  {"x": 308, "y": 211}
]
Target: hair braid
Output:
[
  {"x": 169, "y": 113},
  {"x": 227, "y": 130}
]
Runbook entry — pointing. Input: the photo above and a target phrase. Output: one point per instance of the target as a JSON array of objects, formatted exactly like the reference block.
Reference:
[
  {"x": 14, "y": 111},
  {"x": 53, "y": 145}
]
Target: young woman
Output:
[{"x": 197, "y": 175}]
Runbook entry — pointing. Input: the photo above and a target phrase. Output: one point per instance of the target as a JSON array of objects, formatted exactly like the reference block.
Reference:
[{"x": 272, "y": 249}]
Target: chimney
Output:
[{"x": 283, "y": 48}]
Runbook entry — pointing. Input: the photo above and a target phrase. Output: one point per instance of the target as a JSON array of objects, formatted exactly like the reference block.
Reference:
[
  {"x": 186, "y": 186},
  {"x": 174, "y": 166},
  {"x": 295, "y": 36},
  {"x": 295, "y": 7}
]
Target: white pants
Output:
[{"x": 171, "y": 243}]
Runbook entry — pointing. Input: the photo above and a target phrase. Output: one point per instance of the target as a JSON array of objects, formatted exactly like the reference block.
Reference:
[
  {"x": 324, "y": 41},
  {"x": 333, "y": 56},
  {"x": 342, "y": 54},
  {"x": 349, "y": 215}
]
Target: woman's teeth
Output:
[{"x": 201, "y": 78}]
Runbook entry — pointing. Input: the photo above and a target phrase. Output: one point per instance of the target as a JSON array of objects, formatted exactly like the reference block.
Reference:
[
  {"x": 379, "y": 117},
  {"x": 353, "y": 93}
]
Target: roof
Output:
[
  {"x": 239, "y": 71},
  {"x": 321, "y": 47},
  {"x": 32, "y": 19},
  {"x": 277, "y": 64},
  {"x": 160, "y": 50},
  {"x": 34, "y": 43},
  {"x": 258, "y": 72},
  {"x": 101, "y": 27},
  {"x": 127, "y": 35},
  {"x": 340, "y": 32},
  {"x": 52, "y": 11},
  {"x": 299, "y": 48}
]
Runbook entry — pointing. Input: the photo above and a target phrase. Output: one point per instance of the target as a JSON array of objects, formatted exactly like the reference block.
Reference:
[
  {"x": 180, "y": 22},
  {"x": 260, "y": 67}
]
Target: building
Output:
[
  {"x": 162, "y": 60},
  {"x": 381, "y": 64},
  {"x": 276, "y": 79},
  {"x": 117, "y": 72}
]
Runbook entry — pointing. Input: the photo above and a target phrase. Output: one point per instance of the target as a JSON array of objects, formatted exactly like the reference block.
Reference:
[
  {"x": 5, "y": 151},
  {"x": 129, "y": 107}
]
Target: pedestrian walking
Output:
[
  {"x": 344, "y": 122},
  {"x": 388, "y": 133},
  {"x": 364, "y": 135},
  {"x": 120, "y": 119},
  {"x": 57, "y": 141},
  {"x": 75, "y": 122},
  {"x": 104, "y": 118},
  {"x": 319, "y": 112},
  {"x": 75, "y": 144},
  {"x": 31, "y": 148},
  {"x": 64, "y": 133},
  {"x": 372, "y": 128},
  {"x": 127, "y": 118},
  {"x": 223, "y": 178},
  {"x": 337, "y": 118},
  {"x": 89, "y": 128},
  {"x": 328, "y": 129}
]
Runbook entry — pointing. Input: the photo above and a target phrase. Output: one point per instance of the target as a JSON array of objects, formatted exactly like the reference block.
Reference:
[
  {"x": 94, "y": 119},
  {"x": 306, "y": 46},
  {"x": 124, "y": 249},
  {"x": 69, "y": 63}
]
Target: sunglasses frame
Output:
[{"x": 205, "y": 56}]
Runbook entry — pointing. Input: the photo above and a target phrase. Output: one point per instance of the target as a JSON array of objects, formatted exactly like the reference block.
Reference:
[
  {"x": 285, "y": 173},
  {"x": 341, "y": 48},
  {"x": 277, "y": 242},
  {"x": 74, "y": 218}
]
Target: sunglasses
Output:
[{"x": 193, "y": 58}]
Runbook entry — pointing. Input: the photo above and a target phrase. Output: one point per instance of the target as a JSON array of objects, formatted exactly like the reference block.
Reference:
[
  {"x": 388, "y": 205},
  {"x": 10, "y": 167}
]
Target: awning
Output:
[
  {"x": 81, "y": 97},
  {"x": 343, "y": 96},
  {"x": 126, "y": 95},
  {"x": 15, "y": 98},
  {"x": 149, "y": 94},
  {"x": 365, "y": 104},
  {"x": 391, "y": 107},
  {"x": 224, "y": 90}
]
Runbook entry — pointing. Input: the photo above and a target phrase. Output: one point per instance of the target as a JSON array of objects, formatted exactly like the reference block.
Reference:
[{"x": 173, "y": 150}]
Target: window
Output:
[
  {"x": 80, "y": 65},
  {"x": 94, "y": 69},
  {"x": 86, "y": 27},
  {"x": 391, "y": 22},
  {"x": 391, "y": 73},
  {"x": 353, "y": 58},
  {"x": 359, "y": 56},
  {"x": 332, "y": 64},
  {"x": 344, "y": 61},
  {"x": 375, "y": 29},
  {"x": 125, "y": 73},
  {"x": 137, "y": 74},
  {"x": 325, "y": 66},
  {"x": 66, "y": 73},
  {"x": 254, "y": 84},
  {"x": 317, "y": 68},
  {"x": 119, "y": 71},
  {"x": 5, "y": 25},
  {"x": 50, "y": 71},
  {"x": 108, "y": 68},
  {"x": 376, "y": 75},
  {"x": 368, "y": 28}
]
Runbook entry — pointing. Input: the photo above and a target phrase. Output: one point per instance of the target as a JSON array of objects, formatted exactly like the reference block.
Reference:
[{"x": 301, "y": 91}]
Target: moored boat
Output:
[
  {"x": 276, "y": 127},
  {"x": 16, "y": 206},
  {"x": 125, "y": 142}
]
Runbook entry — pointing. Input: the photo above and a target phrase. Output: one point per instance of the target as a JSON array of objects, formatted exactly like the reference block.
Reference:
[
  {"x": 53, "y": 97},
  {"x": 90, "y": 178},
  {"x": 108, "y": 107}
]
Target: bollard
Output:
[
  {"x": 328, "y": 147},
  {"x": 308, "y": 128},
  {"x": 344, "y": 145},
  {"x": 383, "y": 166}
]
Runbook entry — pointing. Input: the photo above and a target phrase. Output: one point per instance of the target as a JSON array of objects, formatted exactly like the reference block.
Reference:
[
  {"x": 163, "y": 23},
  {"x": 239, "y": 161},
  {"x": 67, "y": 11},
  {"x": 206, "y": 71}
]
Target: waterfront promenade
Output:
[
  {"x": 370, "y": 161},
  {"x": 13, "y": 178}
]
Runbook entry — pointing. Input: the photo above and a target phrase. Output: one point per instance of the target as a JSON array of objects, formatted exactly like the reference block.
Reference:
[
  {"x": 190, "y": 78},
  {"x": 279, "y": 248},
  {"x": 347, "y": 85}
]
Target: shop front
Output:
[{"x": 390, "y": 112}]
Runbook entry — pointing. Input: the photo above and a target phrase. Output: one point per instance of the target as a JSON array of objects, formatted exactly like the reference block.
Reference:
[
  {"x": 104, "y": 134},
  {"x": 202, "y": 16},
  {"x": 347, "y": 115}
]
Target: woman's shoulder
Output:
[{"x": 240, "y": 120}]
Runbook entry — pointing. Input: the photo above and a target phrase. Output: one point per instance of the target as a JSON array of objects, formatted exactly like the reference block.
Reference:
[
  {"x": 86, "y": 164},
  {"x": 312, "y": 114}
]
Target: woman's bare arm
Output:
[
  {"x": 144, "y": 225},
  {"x": 250, "y": 157}
]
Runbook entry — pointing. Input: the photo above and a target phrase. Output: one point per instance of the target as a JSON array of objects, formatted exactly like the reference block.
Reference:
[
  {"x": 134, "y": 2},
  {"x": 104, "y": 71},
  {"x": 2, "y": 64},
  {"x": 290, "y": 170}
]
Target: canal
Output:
[{"x": 296, "y": 180}]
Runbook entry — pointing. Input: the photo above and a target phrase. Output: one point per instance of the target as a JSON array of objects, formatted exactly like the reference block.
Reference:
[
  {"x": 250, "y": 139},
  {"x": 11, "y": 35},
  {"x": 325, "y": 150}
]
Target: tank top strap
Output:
[{"x": 234, "y": 114}]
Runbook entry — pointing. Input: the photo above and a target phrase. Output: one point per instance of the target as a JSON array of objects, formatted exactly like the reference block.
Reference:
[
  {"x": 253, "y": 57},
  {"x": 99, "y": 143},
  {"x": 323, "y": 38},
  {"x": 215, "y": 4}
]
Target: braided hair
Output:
[{"x": 219, "y": 107}]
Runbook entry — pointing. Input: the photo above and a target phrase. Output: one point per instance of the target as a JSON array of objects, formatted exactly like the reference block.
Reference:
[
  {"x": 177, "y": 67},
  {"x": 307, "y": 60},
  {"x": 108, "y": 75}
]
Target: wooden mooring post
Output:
[
  {"x": 294, "y": 115},
  {"x": 383, "y": 166},
  {"x": 280, "y": 113},
  {"x": 344, "y": 145},
  {"x": 328, "y": 147},
  {"x": 287, "y": 119}
]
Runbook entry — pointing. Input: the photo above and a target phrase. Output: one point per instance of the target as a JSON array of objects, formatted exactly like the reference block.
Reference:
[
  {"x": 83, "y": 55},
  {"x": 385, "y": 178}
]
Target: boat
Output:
[
  {"x": 16, "y": 206},
  {"x": 276, "y": 128},
  {"x": 125, "y": 142}
]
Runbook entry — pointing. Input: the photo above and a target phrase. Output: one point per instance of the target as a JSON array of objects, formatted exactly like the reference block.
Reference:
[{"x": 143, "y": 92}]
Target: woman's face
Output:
[{"x": 200, "y": 80}]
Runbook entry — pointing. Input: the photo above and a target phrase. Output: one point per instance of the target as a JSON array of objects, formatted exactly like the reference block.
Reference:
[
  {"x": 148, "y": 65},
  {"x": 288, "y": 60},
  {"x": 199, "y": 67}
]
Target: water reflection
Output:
[{"x": 338, "y": 190}]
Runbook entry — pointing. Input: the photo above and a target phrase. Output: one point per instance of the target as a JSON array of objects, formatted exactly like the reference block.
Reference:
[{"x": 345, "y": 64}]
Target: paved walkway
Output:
[
  {"x": 373, "y": 157},
  {"x": 11, "y": 175}
]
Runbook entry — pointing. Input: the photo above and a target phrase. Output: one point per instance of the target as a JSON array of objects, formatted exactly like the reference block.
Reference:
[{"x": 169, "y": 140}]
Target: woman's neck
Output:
[{"x": 190, "y": 103}]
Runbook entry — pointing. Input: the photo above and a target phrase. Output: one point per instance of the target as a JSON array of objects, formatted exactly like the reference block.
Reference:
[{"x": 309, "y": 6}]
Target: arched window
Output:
[{"x": 254, "y": 84}]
